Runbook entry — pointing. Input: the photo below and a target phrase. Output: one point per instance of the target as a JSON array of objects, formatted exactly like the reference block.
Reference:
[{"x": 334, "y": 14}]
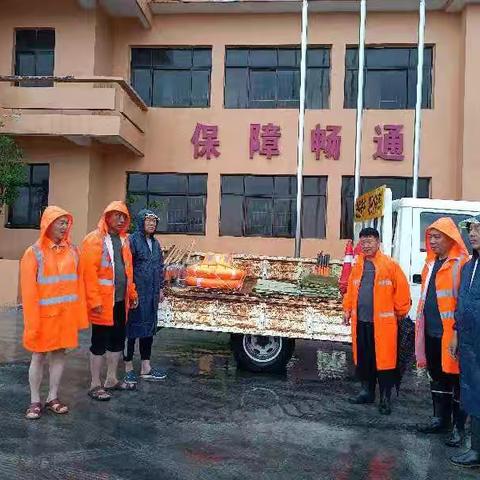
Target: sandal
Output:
[
  {"x": 99, "y": 393},
  {"x": 122, "y": 385},
  {"x": 56, "y": 406},
  {"x": 34, "y": 411}
]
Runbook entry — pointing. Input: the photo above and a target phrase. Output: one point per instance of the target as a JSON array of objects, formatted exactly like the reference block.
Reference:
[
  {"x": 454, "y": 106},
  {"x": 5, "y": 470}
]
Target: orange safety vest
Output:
[
  {"x": 99, "y": 271},
  {"x": 447, "y": 282},
  {"x": 391, "y": 300}
]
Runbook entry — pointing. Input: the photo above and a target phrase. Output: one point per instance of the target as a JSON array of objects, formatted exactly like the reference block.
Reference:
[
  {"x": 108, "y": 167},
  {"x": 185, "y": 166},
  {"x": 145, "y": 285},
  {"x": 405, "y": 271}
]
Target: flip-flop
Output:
[{"x": 99, "y": 394}]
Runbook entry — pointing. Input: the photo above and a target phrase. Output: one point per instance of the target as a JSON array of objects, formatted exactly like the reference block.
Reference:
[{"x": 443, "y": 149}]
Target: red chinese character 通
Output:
[
  {"x": 205, "y": 141},
  {"x": 390, "y": 143},
  {"x": 326, "y": 140}
]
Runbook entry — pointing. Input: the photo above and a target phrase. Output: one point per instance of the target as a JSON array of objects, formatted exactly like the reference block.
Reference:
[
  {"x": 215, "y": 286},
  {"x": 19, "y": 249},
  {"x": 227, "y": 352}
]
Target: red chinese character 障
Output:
[{"x": 264, "y": 140}]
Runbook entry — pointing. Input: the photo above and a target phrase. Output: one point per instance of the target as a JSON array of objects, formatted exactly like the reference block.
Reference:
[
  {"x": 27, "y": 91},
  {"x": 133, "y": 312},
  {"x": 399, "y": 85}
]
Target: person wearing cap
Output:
[
  {"x": 446, "y": 256},
  {"x": 110, "y": 294},
  {"x": 378, "y": 296},
  {"x": 466, "y": 344},
  {"x": 148, "y": 278}
]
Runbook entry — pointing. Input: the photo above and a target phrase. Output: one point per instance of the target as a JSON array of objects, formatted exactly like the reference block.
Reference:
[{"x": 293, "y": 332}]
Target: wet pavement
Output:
[{"x": 208, "y": 420}]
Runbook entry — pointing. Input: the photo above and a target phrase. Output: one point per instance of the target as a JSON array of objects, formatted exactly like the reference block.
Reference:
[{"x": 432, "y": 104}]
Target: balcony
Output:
[{"x": 83, "y": 110}]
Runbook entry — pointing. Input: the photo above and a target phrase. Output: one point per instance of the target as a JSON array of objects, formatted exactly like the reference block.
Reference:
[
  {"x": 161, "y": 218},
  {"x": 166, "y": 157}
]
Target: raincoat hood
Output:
[
  {"x": 116, "y": 206},
  {"x": 51, "y": 214},
  {"x": 140, "y": 220},
  {"x": 447, "y": 226}
]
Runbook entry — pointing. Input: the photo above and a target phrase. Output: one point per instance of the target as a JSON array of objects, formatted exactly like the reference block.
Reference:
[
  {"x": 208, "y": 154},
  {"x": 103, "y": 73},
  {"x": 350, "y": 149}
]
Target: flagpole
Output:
[
  {"x": 418, "y": 105},
  {"x": 301, "y": 128},
  {"x": 360, "y": 85}
]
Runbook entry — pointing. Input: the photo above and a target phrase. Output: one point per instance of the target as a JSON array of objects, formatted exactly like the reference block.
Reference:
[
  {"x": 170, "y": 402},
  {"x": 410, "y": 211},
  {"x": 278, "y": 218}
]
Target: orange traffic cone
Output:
[{"x": 346, "y": 268}]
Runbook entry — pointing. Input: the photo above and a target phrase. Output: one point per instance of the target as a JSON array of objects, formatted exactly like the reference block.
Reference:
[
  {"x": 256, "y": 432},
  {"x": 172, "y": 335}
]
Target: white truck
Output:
[{"x": 263, "y": 329}]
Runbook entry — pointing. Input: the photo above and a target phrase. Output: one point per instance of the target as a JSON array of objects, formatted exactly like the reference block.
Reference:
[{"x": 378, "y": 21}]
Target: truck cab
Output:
[{"x": 410, "y": 219}]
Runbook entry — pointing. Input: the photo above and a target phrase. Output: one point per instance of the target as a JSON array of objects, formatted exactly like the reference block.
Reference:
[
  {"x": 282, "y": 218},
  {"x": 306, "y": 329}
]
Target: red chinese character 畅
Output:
[
  {"x": 390, "y": 143},
  {"x": 264, "y": 140},
  {"x": 326, "y": 140},
  {"x": 205, "y": 141}
]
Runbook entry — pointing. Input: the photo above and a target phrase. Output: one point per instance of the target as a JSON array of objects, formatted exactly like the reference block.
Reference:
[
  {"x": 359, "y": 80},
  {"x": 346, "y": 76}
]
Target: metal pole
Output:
[
  {"x": 301, "y": 128},
  {"x": 418, "y": 105},
  {"x": 361, "y": 81}
]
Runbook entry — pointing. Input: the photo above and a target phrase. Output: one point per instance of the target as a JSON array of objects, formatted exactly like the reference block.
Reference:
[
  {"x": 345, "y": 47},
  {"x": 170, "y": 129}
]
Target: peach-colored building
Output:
[{"x": 145, "y": 91}]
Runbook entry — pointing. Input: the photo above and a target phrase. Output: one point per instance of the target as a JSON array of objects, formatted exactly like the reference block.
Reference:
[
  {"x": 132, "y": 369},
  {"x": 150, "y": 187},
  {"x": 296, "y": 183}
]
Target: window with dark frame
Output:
[
  {"x": 32, "y": 198},
  {"x": 34, "y": 55},
  {"x": 400, "y": 186},
  {"x": 270, "y": 77},
  {"x": 178, "y": 199},
  {"x": 172, "y": 77},
  {"x": 265, "y": 206},
  {"x": 390, "y": 78}
]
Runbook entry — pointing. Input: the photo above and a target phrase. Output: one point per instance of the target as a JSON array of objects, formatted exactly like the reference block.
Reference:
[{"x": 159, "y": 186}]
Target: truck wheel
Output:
[{"x": 262, "y": 354}]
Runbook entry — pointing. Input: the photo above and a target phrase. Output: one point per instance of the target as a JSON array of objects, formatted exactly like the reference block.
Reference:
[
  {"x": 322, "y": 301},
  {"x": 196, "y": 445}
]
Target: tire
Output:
[{"x": 262, "y": 354}]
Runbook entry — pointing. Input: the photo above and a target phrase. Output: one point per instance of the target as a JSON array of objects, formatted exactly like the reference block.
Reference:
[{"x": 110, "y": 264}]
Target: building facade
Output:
[{"x": 191, "y": 108}]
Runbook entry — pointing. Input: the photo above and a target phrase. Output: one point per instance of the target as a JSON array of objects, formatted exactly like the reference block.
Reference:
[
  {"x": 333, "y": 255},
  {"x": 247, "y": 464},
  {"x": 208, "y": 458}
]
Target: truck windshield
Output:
[{"x": 427, "y": 218}]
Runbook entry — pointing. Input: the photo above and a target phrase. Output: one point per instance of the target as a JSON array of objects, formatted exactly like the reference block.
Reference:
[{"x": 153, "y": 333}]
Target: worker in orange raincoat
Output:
[
  {"x": 110, "y": 293},
  {"x": 53, "y": 305},
  {"x": 378, "y": 295},
  {"x": 446, "y": 255}
]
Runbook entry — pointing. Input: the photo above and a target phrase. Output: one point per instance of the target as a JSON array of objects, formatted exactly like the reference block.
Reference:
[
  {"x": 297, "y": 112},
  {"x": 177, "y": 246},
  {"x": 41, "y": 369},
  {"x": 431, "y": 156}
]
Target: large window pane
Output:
[
  {"x": 391, "y": 76},
  {"x": 200, "y": 88},
  {"x": 258, "y": 185},
  {"x": 142, "y": 83},
  {"x": 313, "y": 217},
  {"x": 263, "y": 86},
  {"x": 171, "y": 87},
  {"x": 387, "y": 89},
  {"x": 178, "y": 199},
  {"x": 262, "y": 205},
  {"x": 258, "y": 216},
  {"x": 270, "y": 78},
  {"x": 172, "y": 77},
  {"x": 236, "y": 88},
  {"x": 231, "y": 215},
  {"x": 34, "y": 54},
  {"x": 31, "y": 200}
]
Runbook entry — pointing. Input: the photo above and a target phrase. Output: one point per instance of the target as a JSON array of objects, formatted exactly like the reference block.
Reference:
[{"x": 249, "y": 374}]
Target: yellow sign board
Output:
[{"x": 370, "y": 205}]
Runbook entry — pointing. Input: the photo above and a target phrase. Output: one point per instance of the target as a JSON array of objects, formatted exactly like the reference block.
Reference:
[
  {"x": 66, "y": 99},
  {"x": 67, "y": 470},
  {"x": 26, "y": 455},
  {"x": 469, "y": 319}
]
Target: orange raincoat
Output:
[
  {"x": 447, "y": 282},
  {"x": 52, "y": 292},
  {"x": 391, "y": 300},
  {"x": 99, "y": 268}
]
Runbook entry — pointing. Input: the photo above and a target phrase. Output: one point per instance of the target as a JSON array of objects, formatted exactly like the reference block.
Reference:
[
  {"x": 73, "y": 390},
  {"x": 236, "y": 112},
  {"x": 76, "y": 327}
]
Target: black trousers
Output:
[
  {"x": 367, "y": 363},
  {"x": 445, "y": 383},
  {"x": 145, "y": 348}
]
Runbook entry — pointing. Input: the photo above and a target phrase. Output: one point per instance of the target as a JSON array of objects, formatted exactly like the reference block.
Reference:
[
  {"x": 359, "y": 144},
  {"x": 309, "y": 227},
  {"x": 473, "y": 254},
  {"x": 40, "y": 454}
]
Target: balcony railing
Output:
[{"x": 82, "y": 109}]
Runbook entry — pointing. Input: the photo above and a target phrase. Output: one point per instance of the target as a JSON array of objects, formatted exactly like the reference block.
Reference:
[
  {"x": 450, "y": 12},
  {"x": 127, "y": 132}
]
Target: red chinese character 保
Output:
[
  {"x": 390, "y": 143},
  {"x": 264, "y": 140},
  {"x": 205, "y": 141},
  {"x": 326, "y": 140}
]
